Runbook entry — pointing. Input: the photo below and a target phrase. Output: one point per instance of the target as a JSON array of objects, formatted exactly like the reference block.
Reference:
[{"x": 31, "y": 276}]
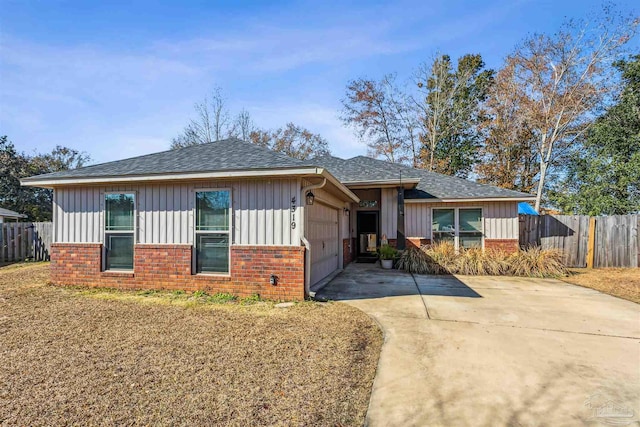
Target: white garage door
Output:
[{"x": 322, "y": 233}]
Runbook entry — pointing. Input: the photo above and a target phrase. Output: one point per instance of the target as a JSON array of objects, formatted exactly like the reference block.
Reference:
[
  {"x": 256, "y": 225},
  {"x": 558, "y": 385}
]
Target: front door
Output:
[{"x": 367, "y": 240}]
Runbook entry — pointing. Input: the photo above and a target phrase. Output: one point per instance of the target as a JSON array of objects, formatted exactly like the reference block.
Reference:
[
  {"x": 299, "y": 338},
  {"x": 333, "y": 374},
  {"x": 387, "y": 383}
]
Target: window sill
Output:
[
  {"x": 213, "y": 274},
  {"x": 117, "y": 273}
]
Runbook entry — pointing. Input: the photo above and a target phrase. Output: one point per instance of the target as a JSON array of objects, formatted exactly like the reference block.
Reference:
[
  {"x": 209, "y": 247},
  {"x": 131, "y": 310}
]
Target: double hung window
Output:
[
  {"x": 212, "y": 231},
  {"x": 119, "y": 230}
]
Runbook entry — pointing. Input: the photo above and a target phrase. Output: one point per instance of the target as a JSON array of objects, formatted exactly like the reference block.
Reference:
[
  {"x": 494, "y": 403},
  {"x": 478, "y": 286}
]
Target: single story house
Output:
[
  {"x": 7, "y": 214},
  {"x": 231, "y": 216}
]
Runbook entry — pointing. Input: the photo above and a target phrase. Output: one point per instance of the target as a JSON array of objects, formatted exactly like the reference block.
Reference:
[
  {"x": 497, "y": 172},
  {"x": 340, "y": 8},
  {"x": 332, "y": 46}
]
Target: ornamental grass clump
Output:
[
  {"x": 537, "y": 262},
  {"x": 441, "y": 258}
]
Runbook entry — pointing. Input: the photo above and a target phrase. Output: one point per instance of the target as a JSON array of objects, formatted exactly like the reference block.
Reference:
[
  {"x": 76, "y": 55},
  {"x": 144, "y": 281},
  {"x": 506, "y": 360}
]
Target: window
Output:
[
  {"x": 444, "y": 229},
  {"x": 470, "y": 234},
  {"x": 213, "y": 223},
  {"x": 460, "y": 226},
  {"x": 119, "y": 226}
]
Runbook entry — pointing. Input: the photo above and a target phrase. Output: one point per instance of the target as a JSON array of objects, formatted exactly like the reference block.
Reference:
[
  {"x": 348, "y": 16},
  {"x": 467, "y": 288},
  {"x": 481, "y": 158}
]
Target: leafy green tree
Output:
[
  {"x": 35, "y": 202},
  {"x": 604, "y": 177},
  {"x": 449, "y": 112}
]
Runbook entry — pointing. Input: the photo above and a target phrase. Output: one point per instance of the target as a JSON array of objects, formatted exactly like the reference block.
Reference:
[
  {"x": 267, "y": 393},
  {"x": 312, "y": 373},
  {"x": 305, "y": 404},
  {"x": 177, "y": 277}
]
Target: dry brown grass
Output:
[
  {"x": 73, "y": 357},
  {"x": 620, "y": 282}
]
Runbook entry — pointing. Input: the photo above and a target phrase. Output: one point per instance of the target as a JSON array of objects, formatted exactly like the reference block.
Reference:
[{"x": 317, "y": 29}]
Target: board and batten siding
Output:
[
  {"x": 500, "y": 218},
  {"x": 389, "y": 213},
  {"x": 322, "y": 196},
  {"x": 262, "y": 212}
]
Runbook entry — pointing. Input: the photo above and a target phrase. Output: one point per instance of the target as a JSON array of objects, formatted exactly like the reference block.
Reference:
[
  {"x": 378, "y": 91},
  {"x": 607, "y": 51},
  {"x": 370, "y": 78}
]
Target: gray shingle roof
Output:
[
  {"x": 431, "y": 186},
  {"x": 234, "y": 154},
  {"x": 361, "y": 168},
  {"x": 228, "y": 154}
]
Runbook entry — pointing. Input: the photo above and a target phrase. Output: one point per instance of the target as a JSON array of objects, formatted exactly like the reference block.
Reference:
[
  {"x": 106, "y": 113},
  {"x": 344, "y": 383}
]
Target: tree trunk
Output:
[{"x": 543, "y": 174}]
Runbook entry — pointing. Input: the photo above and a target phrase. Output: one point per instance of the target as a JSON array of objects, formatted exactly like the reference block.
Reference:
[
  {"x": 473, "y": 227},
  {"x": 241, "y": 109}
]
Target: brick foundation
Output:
[
  {"x": 346, "y": 252},
  {"x": 417, "y": 242},
  {"x": 506, "y": 245},
  {"x": 169, "y": 267}
]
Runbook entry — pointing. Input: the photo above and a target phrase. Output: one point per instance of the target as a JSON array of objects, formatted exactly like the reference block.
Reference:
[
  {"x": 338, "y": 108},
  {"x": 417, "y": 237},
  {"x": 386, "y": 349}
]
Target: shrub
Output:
[
  {"x": 441, "y": 258},
  {"x": 388, "y": 252}
]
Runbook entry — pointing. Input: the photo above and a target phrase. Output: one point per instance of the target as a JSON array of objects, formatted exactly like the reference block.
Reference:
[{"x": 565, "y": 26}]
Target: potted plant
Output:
[{"x": 387, "y": 255}]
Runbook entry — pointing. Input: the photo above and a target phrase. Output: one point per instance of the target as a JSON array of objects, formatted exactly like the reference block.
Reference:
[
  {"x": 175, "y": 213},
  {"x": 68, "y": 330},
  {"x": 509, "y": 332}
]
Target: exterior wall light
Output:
[
  {"x": 310, "y": 197},
  {"x": 273, "y": 280}
]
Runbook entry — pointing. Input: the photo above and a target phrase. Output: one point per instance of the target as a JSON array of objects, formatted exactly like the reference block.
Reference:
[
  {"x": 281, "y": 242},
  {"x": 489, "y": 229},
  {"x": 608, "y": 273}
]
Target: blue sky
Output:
[{"x": 118, "y": 80}]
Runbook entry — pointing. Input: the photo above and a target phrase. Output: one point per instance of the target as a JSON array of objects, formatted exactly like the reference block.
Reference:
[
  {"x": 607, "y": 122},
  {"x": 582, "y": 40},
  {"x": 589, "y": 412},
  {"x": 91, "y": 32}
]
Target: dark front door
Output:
[{"x": 367, "y": 240}]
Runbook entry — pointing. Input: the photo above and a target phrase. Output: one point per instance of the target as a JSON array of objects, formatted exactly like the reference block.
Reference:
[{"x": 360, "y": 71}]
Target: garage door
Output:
[{"x": 322, "y": 233}]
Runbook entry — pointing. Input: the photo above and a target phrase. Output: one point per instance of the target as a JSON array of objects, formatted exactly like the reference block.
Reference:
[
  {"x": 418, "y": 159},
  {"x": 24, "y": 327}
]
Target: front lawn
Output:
[
  {"x": 619, "y": 282},
  {"x": 78, "y": 357}
]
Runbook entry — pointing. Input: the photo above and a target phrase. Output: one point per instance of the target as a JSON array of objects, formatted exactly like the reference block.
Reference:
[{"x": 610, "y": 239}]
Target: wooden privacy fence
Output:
[
  {"x": 20, "y": 241},
  {"x": 609, "y": 241}
]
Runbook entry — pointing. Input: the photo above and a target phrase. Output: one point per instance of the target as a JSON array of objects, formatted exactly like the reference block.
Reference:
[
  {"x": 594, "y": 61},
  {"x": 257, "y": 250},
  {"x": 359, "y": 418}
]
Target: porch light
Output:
[
  {"x": 346, "y": 211},
  {"x": 310, "y": 197},
  {"x": 273, "y": 280}
]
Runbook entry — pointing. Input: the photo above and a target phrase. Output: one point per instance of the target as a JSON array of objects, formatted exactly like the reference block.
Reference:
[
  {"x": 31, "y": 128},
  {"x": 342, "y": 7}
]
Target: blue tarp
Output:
[{"x": 525, "y": 208}]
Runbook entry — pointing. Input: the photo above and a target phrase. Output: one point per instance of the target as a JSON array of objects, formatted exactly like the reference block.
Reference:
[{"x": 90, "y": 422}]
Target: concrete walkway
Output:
[{"x": 487, "y": 351}]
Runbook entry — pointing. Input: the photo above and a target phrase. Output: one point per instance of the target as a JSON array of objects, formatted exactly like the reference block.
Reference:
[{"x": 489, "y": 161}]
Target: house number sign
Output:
[
  {"x": 368, "y": 203},
  {"x": 293, "y": 213}
]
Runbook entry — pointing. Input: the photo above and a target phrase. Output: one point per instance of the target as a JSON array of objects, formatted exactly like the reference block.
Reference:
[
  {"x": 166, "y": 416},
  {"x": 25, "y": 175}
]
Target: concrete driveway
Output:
[{"x": 489, "y": 351}]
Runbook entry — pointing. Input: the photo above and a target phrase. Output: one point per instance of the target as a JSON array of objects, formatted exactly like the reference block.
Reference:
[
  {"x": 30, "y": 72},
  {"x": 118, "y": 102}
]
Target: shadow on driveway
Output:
[{"x": 368, "y": 281}]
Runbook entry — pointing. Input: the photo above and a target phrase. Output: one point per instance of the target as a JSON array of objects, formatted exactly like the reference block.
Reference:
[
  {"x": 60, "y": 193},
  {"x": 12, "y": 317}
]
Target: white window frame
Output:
[
  {"x": 105, "y": 231},
  {"x": 456, "y": 223},
  {"x": 194, "y": 250}
]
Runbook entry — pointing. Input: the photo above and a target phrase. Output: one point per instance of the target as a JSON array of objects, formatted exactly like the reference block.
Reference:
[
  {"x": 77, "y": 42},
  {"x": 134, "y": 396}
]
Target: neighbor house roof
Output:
[
  {"x": 430, "y": 185},
  {"x": 10, "y": 213}
]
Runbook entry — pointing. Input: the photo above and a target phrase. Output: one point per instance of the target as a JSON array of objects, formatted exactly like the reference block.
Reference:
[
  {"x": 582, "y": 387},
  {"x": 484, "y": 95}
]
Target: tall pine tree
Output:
[{"x": 604, "y": 177}]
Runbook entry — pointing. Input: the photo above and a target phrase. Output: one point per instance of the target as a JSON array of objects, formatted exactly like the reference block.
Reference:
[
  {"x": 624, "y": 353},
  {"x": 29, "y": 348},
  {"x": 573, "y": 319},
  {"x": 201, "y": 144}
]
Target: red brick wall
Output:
[
  {"x": 169, "y": 267},
  {"x": 346, "y": 252},
  {"x": 417, "y": 242},
  {"x": 506, "y": 245}
]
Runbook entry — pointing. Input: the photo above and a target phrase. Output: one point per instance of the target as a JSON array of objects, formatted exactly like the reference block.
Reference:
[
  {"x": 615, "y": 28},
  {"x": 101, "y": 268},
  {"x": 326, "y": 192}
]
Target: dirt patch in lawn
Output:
[
  {"x": 619, "y": 282},
  {"x": 74, "y": 357}
]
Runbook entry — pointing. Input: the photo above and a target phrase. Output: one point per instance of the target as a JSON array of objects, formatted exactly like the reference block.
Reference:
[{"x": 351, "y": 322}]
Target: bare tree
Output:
[
  {"x": 292, "y": 140},
  {"x": 243, "y": 126},
  {"x": 211, "y": 124},
  {"x": 375, "y": 111},
  {"x": 565, "y": 79}
]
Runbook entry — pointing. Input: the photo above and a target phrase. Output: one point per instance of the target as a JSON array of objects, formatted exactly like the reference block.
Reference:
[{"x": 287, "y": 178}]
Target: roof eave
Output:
[
  {"x": 408, "y": 183},
  {"x": 333, "y": 180},
  {"x": 473, "y": 199},
  {"x": 246, "y": 173}
]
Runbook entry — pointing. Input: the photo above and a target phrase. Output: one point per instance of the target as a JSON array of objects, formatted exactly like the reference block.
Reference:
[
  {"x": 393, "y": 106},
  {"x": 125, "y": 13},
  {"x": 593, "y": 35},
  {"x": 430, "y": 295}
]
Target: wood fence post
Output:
[{"x": 591, "y": 253}]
